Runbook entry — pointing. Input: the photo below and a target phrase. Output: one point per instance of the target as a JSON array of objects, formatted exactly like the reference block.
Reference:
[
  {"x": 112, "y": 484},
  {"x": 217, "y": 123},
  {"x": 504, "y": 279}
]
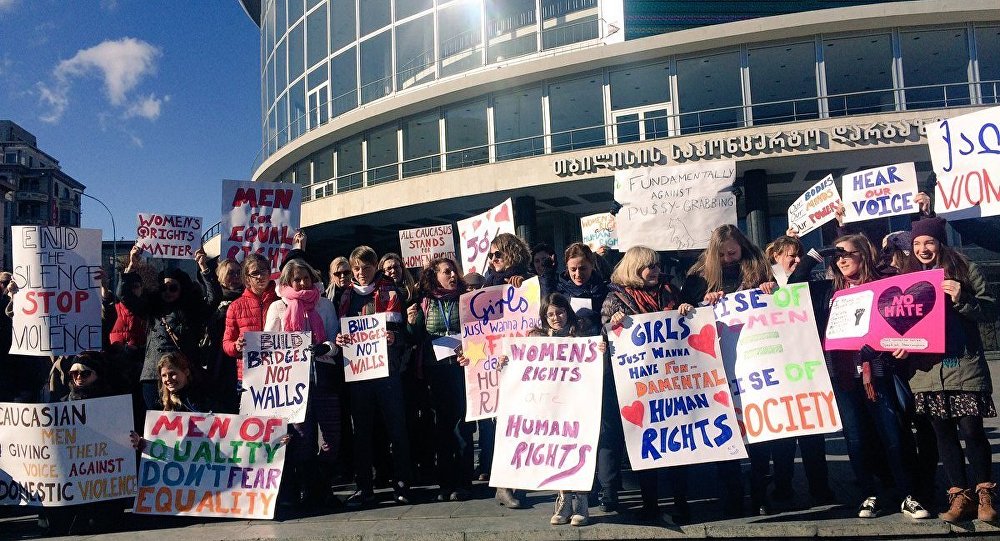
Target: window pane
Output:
[
  {"x": 282, "y": 120},
  {"x": 342, "y": 24},
  {"x": 640, "y": 86},
  {"x": 405, "y": 8},
  {"x": 317, "y": 77},
  {"x": 311, "y": 3},
  {"x": 344, "y": 78},
  {"x": 460, "y": 36},
  {"x": 297, "y": 109},
  {"x": 296, "y": 60},
  {"x": 280, "y": 76},
  {"x": 281, "y": 24},
  {"x": 415, "y": 52},
  {"x": 349, "y": 164},
  {"x": 322, "y": 165},
  {"x": 710, "y": 93},
  {"x": 576, "y": 110},
  {"x": 856, "y": 70},
  {"x": 376, "y": 67},
  {"x": 517, "y": 118},
  {"x": 935, "y": 57},
  {"x": 466, "y": 134},
  {"x": 375, "y": 14},
  {"x": 627, "y": 128},
  {"x": 295, "y": 11},
  {"x": 988, "y": 51},
  {"x": 566, "y": 33},
  {"x": 558, "y": 8},
  {"x": 302, "y": 173},
  {"x": 382, "y": 155},
  {"x": 421, "y": 144},
  {"x": 510, "y": 25},
  {"x": 316, "y": 27},
  {"x": 269, "y": 31},
  {"x": 785, "y": 73}
]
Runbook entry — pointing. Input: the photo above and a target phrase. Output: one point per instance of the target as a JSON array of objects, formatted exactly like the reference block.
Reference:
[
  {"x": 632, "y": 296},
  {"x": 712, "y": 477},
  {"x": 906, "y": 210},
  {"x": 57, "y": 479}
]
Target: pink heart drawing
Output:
[
  {"x": 503, "y": 215},
  {"x": 634, "y": 413},
  {"x": 476, "y": 224},
  {"x": 617, "y": 329},
  {"x": 704, "y": 341},
  {"x": 721, "y": 397}
]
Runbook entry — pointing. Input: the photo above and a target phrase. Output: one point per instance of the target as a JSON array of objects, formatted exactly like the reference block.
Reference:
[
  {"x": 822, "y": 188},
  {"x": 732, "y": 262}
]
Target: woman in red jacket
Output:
[{"x": 246, "y": 314}]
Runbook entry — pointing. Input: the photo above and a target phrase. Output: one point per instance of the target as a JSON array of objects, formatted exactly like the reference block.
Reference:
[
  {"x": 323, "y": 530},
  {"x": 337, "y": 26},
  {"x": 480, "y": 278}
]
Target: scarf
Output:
[
  {"x": 647, "y": 300},
  {"x": 302, "y": 305},
  {"x": 442, "y": 294}
]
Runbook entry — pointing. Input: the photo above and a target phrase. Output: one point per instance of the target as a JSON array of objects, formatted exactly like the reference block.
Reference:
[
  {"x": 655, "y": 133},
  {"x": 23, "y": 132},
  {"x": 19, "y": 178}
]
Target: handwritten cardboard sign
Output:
[
  {"x": 777, "y": 372},
  {"x": 549, "y": 419},
  {"x": 66, "y": 453},
  {"x": 276, "y": 369},
  {"x": 902, "y": 312},
  {"x": 477, "y": 233},
  {"x": 487, "y": 315},
  {"x": 815, "y": 207},
  {"x": 167, "y": 236},
  {"x": 965, "y": 152},
  {"x": 259, "y": 217},
  {"x": 674, "y": 207},
  {"x": 218, "y": 465},
  {"x": 599, "y": 230},
  {"x": 673, "y": 394},
  {"x": 367, "y": 355},
  {"x": 419, "y": 246},
  {"x": 879, "y": 193},
  {"x": 57, "y": 310}
]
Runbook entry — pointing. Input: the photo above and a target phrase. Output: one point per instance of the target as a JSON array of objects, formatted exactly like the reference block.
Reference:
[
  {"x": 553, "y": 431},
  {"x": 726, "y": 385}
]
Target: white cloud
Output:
[
  {"x": 7, "y": 5},
  {"x": 147, "y": 107},
  {"x": 109, "y": 5}
]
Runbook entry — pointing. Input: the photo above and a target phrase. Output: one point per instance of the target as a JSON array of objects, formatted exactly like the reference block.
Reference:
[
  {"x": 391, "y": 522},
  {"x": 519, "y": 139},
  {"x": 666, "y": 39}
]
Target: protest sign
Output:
[
  {"x": 815, "y": 207},
  {"x": 910, "y": 314},
  {"x": 276, "y": 367},
  {"x": 207, "y": 465},
  {"x": 777, "y": 372},
  {"x": 550, "y": 415},
  {"x": 259, "y": 217},
  {"x": 965, "y": 152},
  {"x": 599, "y": 230},
  {"x": 66, "y": 453},
  {"x": 673, "y": 394},
  {"x": 367, "y": 354},
  {"x": 167, "y": 236},
  {"x": 477, "y": 233},
  {"x": 57, "y": 309},
  {"x": 674, "y": 207},
  {"x": 421, "y": 245},
  {"x": 487, "y": 315},
  {"x": 879, "y": 193}
]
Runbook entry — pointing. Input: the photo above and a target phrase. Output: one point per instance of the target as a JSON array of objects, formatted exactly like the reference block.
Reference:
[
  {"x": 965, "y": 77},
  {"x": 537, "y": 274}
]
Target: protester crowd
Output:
[{"x": 174, "y": 342}]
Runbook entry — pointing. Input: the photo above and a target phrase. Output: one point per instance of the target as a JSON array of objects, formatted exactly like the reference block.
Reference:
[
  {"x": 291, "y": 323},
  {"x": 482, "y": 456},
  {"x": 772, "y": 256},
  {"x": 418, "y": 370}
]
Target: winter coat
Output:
[
  {"x": 596, "y": 289},
  {"x": 128, "y": 329},
  {"x": 245, "y": 314}
]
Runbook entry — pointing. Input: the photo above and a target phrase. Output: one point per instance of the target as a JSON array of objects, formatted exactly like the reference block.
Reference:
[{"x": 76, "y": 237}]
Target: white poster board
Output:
[
  {"x": 965, "y": 151},
  {"x": 599, "y": 230},
  {"x": 168, "y": 236},
  {"x": 259, "y": 217},
  {"x": 419, "y": 246},
  {"x": 815, "y": 207},
  {"x": 477, "y": 233},
  {"x": 881, "y": 192},
  {"x": 276, "y": 368},
  {"x": 367, "y": 354}
]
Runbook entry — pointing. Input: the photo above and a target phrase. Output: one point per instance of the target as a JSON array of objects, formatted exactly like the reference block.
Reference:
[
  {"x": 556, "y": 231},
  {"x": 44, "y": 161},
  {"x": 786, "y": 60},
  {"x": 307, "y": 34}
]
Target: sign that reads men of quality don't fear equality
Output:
[
  {"x": 276, "y": 367},
  {"x": 965, "y": 152},
  {"x": 168, "y": 236},
  {"x": 880, "y": 193},
  {"x": 259, "y": 217}
]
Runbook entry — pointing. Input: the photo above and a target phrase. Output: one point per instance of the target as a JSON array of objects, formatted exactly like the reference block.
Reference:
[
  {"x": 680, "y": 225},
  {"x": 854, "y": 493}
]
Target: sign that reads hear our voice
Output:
[
  {"x": 421, "y": 245},
  {"x": 167, "y": 236},
  {"x": 879, "y": 193},
  {"x": 259, "y": 217}
]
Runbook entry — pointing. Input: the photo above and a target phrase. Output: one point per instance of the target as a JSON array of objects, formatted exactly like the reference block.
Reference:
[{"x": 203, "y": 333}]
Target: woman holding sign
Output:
[
  {"x": 954, "y": 390},
  {"x": 246, "y": 314}
]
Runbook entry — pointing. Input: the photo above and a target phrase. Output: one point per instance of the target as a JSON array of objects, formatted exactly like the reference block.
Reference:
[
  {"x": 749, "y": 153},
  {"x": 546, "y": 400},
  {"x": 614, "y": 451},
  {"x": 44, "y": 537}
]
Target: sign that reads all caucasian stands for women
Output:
[
  {"x": 57, "y": 309},
  {"x": 167, "y": 236},
  {"x": 477, "y": 233},
  {"x": 421, "y": 245},
  {"x": 599, "y": 230},
  {"x": 367, "y": 354},
  {"x": 965, "y": 151},
  {"x": 901, "y": 312},
  {"x": 550, "y": 414},
  {"x": 815, "y": 207},
  {"x": 774, "y": 360},
  {"x": 880, "y": 193},
  {"x": 66, "y": 453},
  {"x": 259, "y": 217},
  {"x": 673, "y": 395},
  {"x": 208, "y": 465},
  {"x": 276, "y": 375}
]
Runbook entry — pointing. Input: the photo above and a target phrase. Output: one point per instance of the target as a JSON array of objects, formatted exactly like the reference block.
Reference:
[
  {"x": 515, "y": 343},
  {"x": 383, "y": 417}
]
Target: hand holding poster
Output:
[
  {"x": 672, "y": 390},
  {"x": 276, "y": 375},
  {"x": 965, "y": 151},
  {"x": 777, "y": 372},
  {"x": 880, "y": 192},
  {"x": 66, "y": 453},
  {"x": 210, "y": 465},
  {"x": 815, "y": 207},
  {"x": 259, "y": 217},
  {"x": 421, "y": 245},
  {"x": 367, "y": 354},
  {"x": 477, "y": 233},
  {"x": 549, "y": 444},
  {"x": 57, "y": 310},
  {"x": 599, "y": 230},
  {"x": 168, "y": 236},
  {"x": 910, "y": 314}
]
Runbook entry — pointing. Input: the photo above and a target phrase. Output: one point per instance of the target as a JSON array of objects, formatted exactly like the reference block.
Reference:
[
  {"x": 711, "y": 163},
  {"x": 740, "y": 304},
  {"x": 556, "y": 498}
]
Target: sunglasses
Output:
[
  {"x": 342, "y": 274},
  {"x": 494, "y": 255},
  {"x": 170, "y": 288},
  {"x": 257, "y": 274},
  {"x": 81, "y": 374},
  {"x": 844, "y": 254}
]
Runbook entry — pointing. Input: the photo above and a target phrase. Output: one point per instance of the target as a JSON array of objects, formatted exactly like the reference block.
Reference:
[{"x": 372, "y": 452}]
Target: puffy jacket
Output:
[
  {"x": 129, "y": 329},
  {"x": 246, "y": 314}
]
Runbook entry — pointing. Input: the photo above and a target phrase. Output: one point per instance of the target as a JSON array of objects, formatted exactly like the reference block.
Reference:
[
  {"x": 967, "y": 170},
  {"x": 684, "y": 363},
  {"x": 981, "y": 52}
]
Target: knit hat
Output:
[
  {"x": 931, "y": 227},
  {"x": 474, "y": 280}
]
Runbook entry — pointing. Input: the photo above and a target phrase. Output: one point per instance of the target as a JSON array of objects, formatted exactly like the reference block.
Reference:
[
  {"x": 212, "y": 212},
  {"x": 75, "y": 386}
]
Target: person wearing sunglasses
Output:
[
  {"x": 221, "y": 368},
  {"x": 340, "y": 279}
]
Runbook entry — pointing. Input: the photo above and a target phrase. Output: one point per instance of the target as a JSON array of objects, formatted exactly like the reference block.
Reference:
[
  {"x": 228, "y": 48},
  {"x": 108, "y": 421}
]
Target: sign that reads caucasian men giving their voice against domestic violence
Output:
[
  {"x": 276, "y": 367},
  {"x": 965, "y": 151},
  {"x": 815, "y": 207},
  {"x": 167, "y": 236},
  {"x": 210, "y": 465},
  {"x": 259, "y": 217},
  {"x": 366, "y": 356},
  {"x": 57, "y": 309},
  {"x": 673, "y": 395},
  {"x": 66, "y": 453}
]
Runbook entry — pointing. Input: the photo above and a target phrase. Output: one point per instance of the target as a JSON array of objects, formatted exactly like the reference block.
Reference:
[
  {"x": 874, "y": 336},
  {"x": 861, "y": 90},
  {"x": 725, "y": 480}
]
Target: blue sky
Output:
[{"x": 149, "y": 103}]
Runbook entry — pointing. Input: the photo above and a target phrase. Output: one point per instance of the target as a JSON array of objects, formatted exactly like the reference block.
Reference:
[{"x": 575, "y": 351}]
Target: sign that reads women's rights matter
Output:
[
  {"x": 57, "y": 309},
  {"x": 777, "y": 372},
  {"x": 366, "y": 356},
  {"x": 487, "y": 315},
  {"x": 880, "y": 193},
  {"x": 550, "y": 415},
  {"x": 259, "y": 217},
  {"x": 673, "y": 395},
  {"x": 901, "y": 312},
  {"x": 167, "y": 236},
  {"x": 66, "y": 453},
  {"x": 477, "y": 233},
  {"x": 965, "y": 152},
  {"x": 276, "y": 375},
  {"x": 815, "y": 207},
  {"x": 421, "y": 245},
  {"x": 208, "y": 465}
]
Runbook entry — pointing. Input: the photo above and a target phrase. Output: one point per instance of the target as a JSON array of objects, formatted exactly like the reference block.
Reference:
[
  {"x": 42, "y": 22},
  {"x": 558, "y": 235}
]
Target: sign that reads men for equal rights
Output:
[
  {"x": 487, "y": 315},
  {"x": 965, "y": 152},
  {"x": 276, "y": 375},
  {"x": 674, "y": 207},
  {"x": 259, "y": 217},
  {"x": 599, "y": 230},
  {"x": 167, "y": 236},
  {"x": 550, "y": 415},
  {"x": 57, "y": 309},
  {"x": 208, "y": 465},
  {"x": 673, "y": 395},
  {"x": 477, "y": 233},
  {"x": 815, "y": 207},
  {"x": 880, "y": 193},
  {"x": 366, "y": 356},
  {"x": 901, "y": 312},
  {"x": 421, "y": 245},
  {"x": 66, "y": 453},
  {"x": 777, "y": 372}
]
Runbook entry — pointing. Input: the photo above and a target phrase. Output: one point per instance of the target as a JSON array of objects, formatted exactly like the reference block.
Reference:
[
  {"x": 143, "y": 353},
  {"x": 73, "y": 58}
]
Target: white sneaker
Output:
[
  {"x": 913, "y": 509},
  {"x": 869, "y": 508}
]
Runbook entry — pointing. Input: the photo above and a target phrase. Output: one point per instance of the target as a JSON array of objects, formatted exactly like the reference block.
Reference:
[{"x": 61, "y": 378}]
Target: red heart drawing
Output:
[
  {"x": 503, "y": 215},
  {"x": 476, "y": 224},
  {"x": 634, "y": 413},
  {"x": 617, "y": 329},
  {"x": 721, "y": 397},
  {"x": 704, "y": 341}
]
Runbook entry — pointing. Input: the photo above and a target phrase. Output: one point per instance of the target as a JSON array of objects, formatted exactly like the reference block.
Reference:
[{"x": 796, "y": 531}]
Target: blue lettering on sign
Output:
[
  {"x": 510, "y": 302},
  {"x": 741, "y": 301}
]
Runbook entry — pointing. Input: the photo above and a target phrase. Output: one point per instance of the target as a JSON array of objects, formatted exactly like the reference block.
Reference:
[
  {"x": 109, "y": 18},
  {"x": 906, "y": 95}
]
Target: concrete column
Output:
[
  {"x": 525, "y": 218},
  {"x": 755, "y": 196}
]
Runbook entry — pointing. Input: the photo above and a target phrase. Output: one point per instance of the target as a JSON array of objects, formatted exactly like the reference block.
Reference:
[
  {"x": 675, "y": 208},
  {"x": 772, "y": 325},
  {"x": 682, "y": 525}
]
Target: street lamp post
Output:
[{"x": 114, "y": 237}]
